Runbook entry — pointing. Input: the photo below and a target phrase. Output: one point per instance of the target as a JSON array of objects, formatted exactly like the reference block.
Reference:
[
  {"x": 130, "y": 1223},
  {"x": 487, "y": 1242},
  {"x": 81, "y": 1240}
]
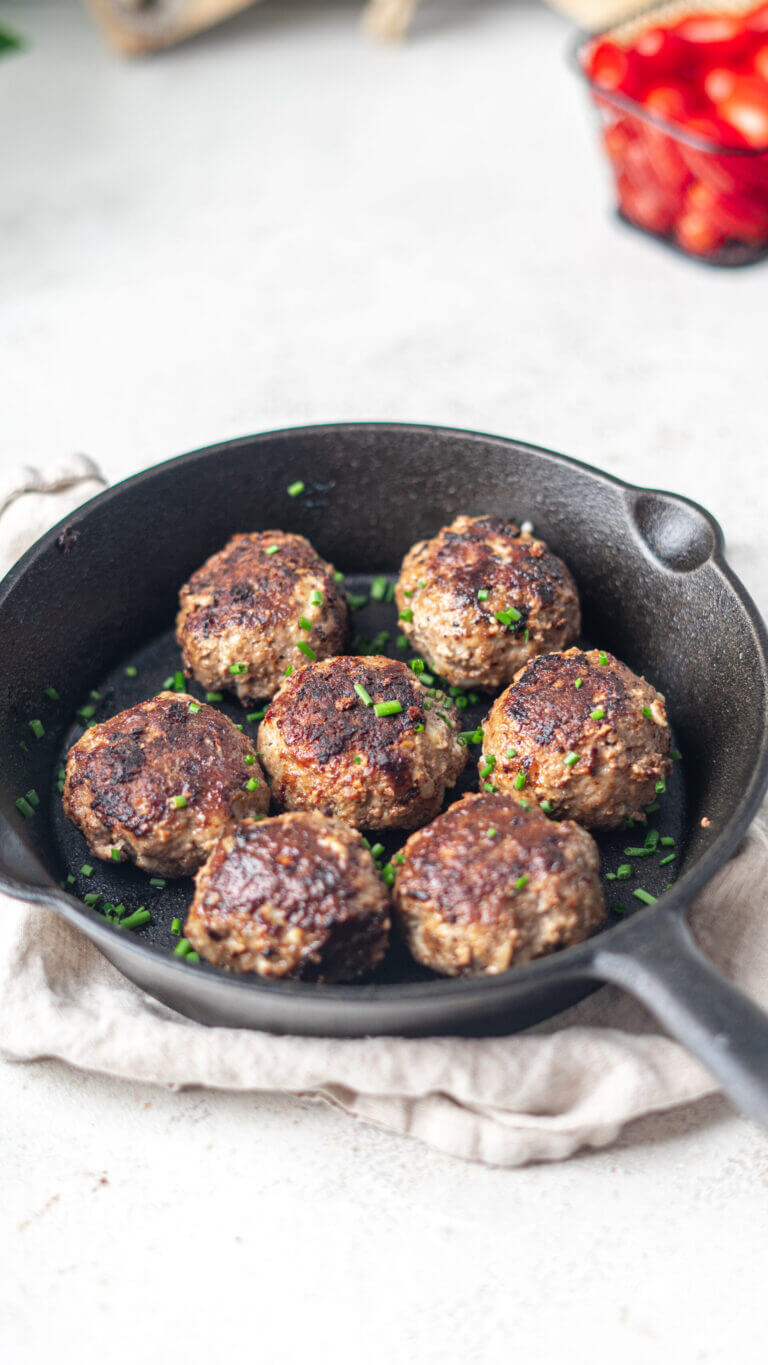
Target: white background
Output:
[{"x": 282, "y": 223}]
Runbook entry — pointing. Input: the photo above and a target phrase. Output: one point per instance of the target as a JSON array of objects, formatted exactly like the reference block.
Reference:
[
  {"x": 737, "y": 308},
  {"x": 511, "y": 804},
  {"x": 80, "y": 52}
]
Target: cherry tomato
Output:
[
  {"x": 719, "y": 82},
  {"x": 660, "y": 50},
  {"x": 760, "y": 63},
  {"x": 746, "y": 109},
  {"x": 644, "y": 206},
  {"x": 741, "y": 219},
  {"x": 756, "y": 21},
  {"x": 671, "y": 101},
  {"x": 697, "y": 235},
  {"x": 712, "y": 39},
  {"x": 613, "y": 67}
]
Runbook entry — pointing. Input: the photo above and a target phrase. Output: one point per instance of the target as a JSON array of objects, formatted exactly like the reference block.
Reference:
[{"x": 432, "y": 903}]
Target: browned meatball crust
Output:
[
  {"x": 587, "y": 734},
  {"x": 457, "y": 630},
  {"x": 295, "y": 896},
  {"x": 490, "y": 884},
  {"x": 326, "y": 749},
  {"x": 160, "y": 783},
  {"x": 243, "y": 615}
]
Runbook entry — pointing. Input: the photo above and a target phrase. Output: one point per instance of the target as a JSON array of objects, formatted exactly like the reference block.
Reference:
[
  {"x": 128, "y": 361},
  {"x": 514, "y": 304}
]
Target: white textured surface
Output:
[{"x": 279, "y": 223}]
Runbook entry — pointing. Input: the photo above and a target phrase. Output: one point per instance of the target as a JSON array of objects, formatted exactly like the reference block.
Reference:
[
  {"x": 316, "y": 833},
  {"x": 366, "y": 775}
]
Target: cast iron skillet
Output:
[{"x": 100, "y": 591}]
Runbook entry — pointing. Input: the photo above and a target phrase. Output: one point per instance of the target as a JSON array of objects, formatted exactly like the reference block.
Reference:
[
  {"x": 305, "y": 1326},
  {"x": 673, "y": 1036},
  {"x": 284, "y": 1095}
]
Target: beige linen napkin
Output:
[{"x": 573, "y": 1082}]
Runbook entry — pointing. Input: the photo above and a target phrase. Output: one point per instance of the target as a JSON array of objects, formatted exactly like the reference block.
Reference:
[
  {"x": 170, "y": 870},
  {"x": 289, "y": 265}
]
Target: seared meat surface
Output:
[
  {"x": 243, "y": 614},
  {"x": 490, "y": 884},
  {"x": 160, "y": 783},
  {"x": 482, "y": 598},
  {"x": 325, "y": 747},
  {"x": 295, "y": 896},
  {"x": 581, "y": 732}
]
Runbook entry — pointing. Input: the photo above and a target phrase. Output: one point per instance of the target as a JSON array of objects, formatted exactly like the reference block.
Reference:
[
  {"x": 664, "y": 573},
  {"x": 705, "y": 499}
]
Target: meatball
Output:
[
  {"x": 265, "y": 603},
  {"x": 361, "y": 739},
  {"x": 295, "y": 896},
  {"x": 489, "y": 884},
  {"x": 482, "y": 598},
  {"x": 159, "y": 784},
  {"x": 582, "y": 734}
]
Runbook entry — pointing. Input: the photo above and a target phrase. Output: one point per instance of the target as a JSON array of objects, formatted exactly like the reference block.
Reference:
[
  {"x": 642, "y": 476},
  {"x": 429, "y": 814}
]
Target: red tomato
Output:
[
  {"x": 757, "y": 21},
  {"x": 659, "y": 49},
  {"x": 715, "y": 130},
  {"x": 712, "y": 39},
  {"x": 672, "y": 101},
  {"x": 697, "y": 235},
  {"x": 666, "y": 162},
  {"x": 741, "y": 219},
  {"x": 719, "y": 82},
  {"x": 760, "y": 63},
  {"x": 644, "y": 206},
  {"x": 746, "y": 109},
  {"x": 612, "y": 67}
]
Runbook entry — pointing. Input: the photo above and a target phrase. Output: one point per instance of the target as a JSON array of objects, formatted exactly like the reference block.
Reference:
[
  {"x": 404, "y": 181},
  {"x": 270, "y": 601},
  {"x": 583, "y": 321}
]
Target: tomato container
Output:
[{"x": 682, "y": 99}]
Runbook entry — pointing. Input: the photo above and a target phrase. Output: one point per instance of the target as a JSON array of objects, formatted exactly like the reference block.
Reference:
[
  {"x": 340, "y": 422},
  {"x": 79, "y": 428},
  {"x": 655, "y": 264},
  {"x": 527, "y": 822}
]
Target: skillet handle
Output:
[{"x": 662, "y": 966}]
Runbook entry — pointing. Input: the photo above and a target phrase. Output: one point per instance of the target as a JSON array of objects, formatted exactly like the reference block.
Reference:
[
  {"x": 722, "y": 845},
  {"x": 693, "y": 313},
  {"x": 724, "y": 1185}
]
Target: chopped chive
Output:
[
  {"x": 598, "y": 713},
  {"x": 491, "y": 833},
  {"x": 623, "y": 872},
  {"x": 193, "y": 707},
  {"x": 670, "y": 858},
  {"x": 509, "y": 616},
  {"x": 135, "y": 921},
  {"x": 619, "y": 909},
  {"x": 661, "y": 786},
  {"x": 417, "y": 666},
  {"x": 363, "y": 694},
  {"x": 175, "y": 926},
  {"x": 316, "y": 598},
  {"x": 443, "y": 716},
  {"x": 462, "y": 703},
  {"x": 521, "y": 882},
  {"x": 377, "y": 850},
  {"x": 52, "y": 694},
  {"x": 637, "y": 852},
  {"x": 483, "y": 595},
  {"x": 387, "y": 708},
  {"x": 489, "y": 787},
  {"x": 338, "y": 576},
  {"x": 305, "y": 623},
  {"x": 388, "y": 874},
  {"x": 526, "y": 805},
  {"x": 520, "y": 781},
  {"x": 356, "y": 600},
  {"x": 23, "y": 807},
  {"x": 272, "y": 549},
  {"x": 86, "y": 870},
  {"x": 419, "y": 727},
  {"x": 651, "y": 839},
  {"x": 92, "y": 898},
  {"x": 119, "y": 910},
  {"x": 179, "y": 681},
  {"x": 402, "y": 642},
  {"x": 131, "y": 671},
  {"x": 214, "y": 696},
  {"x": 178, "y": 802},
  {"x": 70, "y": 879},
  {"x": 644, "y": 896},
  {"x": 192, "y": 957},
  {"x": 488, "y": 766},
  {"x": 249, "y": 759},
  {"x": 675, "y": 753},
  {"x": 547, "y": 807},
  {"x": 610, "y": 876},
  {"x": 511, "y": 753},
  {"x": 579, "y": 682},
  {"x": 602, "y": 658},
  {"x": 33, "y": 798},
  {"x": 295, "y": 490},
  {"x": 654, "y": 806},
  {"x": 406, "y": 614},
  {"x": 289, "y": 670},
  {"x": 526, "y": 634},
  {"x": 23, "y": 746},
  {"x": 390, "y": 592},
  {"x": 115, "y": 855},
  {"x": 407, "y": 592},
  {"x": 182, "y": 948},
  {"x": 427, "y": 679},
  {"x": 239, "y": 727},
  {"x": 238, "y": 668},
  {"x": 647, "y": 712},
  {"x": 85, "y": 712},
  {"x": 37, "y": 728},
  {"x": 252, "y": 784},
  {"x": 94, "y": 695},
  {"x": 379, "y": 589},
  {"x": 667, "y": 841},
  {"x": 358, "y": 759},
  {"x": 168, "y": 683},
  {"x": 570, "y": 759},
  {"x": 306, "y": 650},
  {"x": 253, "y": 716}
]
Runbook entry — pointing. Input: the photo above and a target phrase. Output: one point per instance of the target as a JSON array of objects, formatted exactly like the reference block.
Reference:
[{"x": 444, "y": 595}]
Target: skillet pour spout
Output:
[{"x": 656, "y": 591}]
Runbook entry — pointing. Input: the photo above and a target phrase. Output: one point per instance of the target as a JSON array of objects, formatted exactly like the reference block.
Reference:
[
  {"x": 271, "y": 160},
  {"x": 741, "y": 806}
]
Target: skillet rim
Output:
[{"x": 574, "y": 961}]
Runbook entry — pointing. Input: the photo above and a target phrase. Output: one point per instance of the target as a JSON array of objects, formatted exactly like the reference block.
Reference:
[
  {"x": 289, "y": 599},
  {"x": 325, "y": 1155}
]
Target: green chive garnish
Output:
[
  {"x": 306, "y": 650},
  {"x": 296, "y": 489},
  {"x": 491, "y": 833},
  {"x": 23, "y": 807},
  {"x": 406, "y": 614},
  {"x": 33, "y": 798},
  {"x": 305, "y": 623},
  {"x": 289, "y": 670},
  {"x": 602, "y": 658},
  {"x": 356, "y": 600},
  {"x": 377, "y": 850},
  {"x": 131, "y": 671},
  {"x": 253, "y": 716},
  {"x": 547, "y": 807},
  {"x": 488, "y": 766},
  {"x": 86, "y": 870},
  {"x": 636, "y": 852},
  {"x": 37, "y": 728},
  {"x": 114, "y": 854},
  {"x": 675, "y": 753},
  {"x": 272, "y": 549},
  {"x": 388, "y": 874},
  {"x": 358, "y": 759},
  {"x": 489, "y": 787},
  {"x": 667, "y": 841},
  {"x": 402, "y": 642},
  {"x": 623, "y": 872},
  {"x": 483, "y": 595},
  {"x": 178, "y": 802},
  {"x": 238, "y": 668},
  {"x": 670, "y": 858},
  {"x": 598, "y": 713},
  {"x": 644, "y": 896},
  {"x": 654, "y": 806},
  {"x": 214, "y": 696},
  {"x": 520, "y": 782},
  {"x": 338, "y": 576},
  {"x": 521, "y": 882},
  {"x": 379, "y": 589},
  {"x": 166, "y": 685},
  {"x": 135, "y": 921},
  {"x": 511, "y": 753},
  {"x": 316, "y": 598},
  {"x": 193, "y": 707},
  {"x": 52, "y": 694},
  {"x": 387, "y": 708},
  {"x": 661, "y": 786},
  {"x": 252, "y": 784},
  {"x": 509, "y": 616},
  {"x": 647, "y": 712},
  {"x": 92, "y": 898},
  {"x": 419, "y": 727},
  {"x": 578, "y": 682},
  {"x": 192, "y": 957},
  {"x": 175, "y": 926},
  {"x": 249, "y": 759},
  {"x": 363, "y": 694},
  {"x": 179, "y": 681},
  {"x": 570, "y": 759},
  {"x": 157, "y": 881},
  {"x": 182, "y": 948}
]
